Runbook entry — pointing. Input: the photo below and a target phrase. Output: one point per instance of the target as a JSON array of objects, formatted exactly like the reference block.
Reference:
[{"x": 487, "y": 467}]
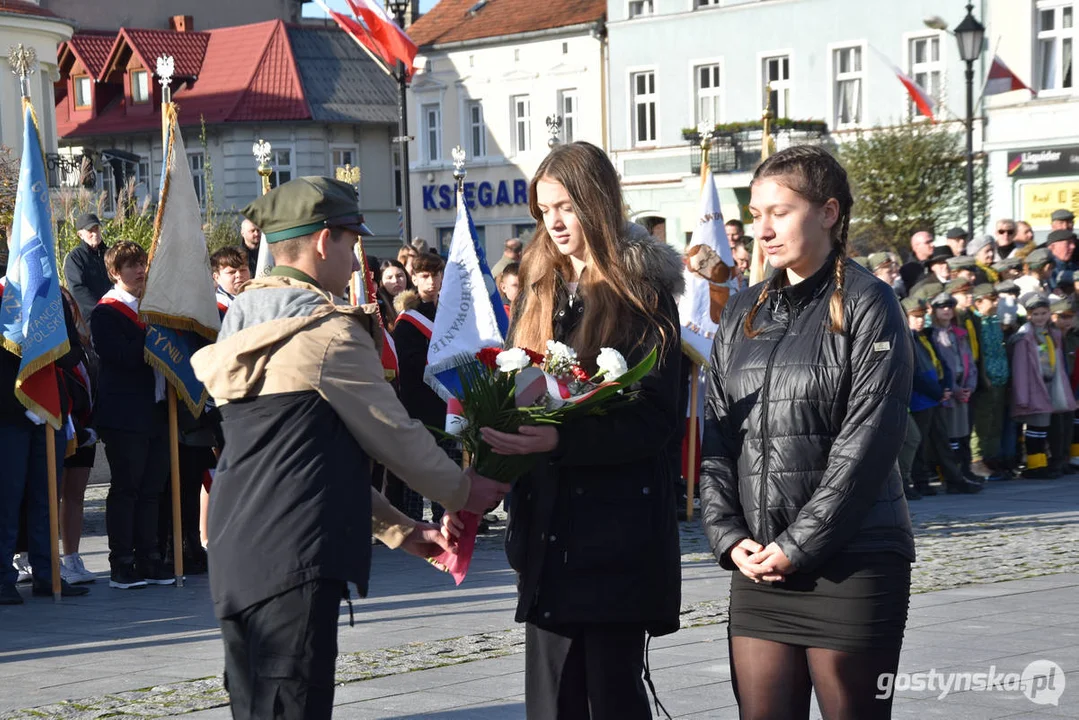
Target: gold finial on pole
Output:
[
  {"x": 349, "y": 174},
  {"x": 23, "y": 61},
  {"x": 262, "y": 151},
  {"x": 705, "y": 131},
  {"x": 766, "y": 124},
  {"x": 459, "y": 171}
]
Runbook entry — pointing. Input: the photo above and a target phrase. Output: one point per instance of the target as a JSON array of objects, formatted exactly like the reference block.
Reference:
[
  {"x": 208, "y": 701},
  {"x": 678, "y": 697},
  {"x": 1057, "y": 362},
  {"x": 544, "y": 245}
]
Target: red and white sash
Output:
[{"x": 419, "y": 321}]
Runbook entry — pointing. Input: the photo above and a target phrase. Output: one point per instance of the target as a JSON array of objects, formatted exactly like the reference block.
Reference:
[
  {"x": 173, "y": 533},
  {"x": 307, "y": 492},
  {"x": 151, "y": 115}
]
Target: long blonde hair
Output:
[
  {"x": 614, "y": 305},
  {"x": 813, "y": 173}
]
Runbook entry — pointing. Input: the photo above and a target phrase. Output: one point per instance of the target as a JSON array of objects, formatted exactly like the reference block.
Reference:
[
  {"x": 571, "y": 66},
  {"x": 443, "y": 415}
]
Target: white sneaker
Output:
[
  {"x": 22, "y": 564},
  {"x": 72, "y": 570}
]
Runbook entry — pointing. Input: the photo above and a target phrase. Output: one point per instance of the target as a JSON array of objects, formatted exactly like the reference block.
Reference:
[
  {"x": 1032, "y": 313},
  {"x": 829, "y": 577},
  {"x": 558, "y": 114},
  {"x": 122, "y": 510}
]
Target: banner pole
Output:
[
  {"x": 54, "y": 512},
  {"x": 691, "y": 469},
  {"x": 174, "y": 457}
]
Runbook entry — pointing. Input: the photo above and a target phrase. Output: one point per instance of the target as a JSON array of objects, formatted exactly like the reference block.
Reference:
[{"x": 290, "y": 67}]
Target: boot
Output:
[
  {"x": 966, "y": 487},
  {"x": 921, "y": 484},
  {"x": 910, "y": 492},
  {"x": 961, "y": 462},
  {"x": 982, "y": 469}
]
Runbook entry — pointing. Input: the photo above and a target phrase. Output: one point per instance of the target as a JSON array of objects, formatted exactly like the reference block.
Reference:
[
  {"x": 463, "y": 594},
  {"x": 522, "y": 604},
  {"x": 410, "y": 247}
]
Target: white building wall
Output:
[
  {"x": 493, "y": 74},
  {"x": 43, "y": 36}
]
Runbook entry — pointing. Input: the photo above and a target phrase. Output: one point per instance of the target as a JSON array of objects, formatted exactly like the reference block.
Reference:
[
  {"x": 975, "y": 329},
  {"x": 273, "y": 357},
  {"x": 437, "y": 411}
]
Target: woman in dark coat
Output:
[
  {"x": 800, "y": 492},
  {"x": 593, "y": 531}
]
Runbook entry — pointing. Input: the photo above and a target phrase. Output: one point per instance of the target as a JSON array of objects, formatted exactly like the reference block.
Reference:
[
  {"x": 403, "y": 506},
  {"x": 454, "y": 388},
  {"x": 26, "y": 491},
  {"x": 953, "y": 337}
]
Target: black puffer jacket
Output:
[
  {"x": 593, "y": 531},
  {"x": 803, "y": 426}
]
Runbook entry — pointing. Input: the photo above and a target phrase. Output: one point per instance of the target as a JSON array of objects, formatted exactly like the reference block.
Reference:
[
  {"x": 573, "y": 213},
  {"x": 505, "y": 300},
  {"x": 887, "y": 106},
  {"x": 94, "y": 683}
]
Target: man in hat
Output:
[
  {"x": 956, "y": 238},
  {"x": 84, "y": 267},
  {"x": 1039, "y": 271},
  {"x": 937, "y": 270},
  {"x": 963, "y": 267},
  {"x": 1061, "y": 245},
  {"x": 305, "y": 407},
  {"x": 990, "y": 400},
  {"x": 1062, "y": 219}
]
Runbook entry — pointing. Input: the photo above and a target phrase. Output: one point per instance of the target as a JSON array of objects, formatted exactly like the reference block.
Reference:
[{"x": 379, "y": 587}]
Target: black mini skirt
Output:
[{"x": 854, "y": 602}]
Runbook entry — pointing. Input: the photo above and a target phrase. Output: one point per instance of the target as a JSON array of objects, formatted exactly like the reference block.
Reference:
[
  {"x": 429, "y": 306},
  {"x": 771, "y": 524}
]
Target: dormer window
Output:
[
  {"x": 83, "y": 92},
  {"x": 140, "y": 87}
]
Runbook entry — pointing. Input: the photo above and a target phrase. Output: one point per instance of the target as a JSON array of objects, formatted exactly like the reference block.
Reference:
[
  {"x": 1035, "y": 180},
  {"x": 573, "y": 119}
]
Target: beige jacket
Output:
[{"x": 331, "y": 350}]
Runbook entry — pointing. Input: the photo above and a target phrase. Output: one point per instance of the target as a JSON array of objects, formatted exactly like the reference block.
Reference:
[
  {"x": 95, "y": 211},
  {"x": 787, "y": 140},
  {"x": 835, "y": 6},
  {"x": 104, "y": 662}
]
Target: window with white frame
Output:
[
  {"x": 477, "y": 129},
  {"x": 83, "y": 91},
  {"x": 342, "y": 156},
  {"x": 637, "y": 8},
  {"x": 1055, "y": 25},
  {"x": 776, "y": 72},
  {"x": 849, "y": 80},
  {"x": 707, "y": 93},
  {"x": 283, "y": 170},
  {"x": 522, "y": 123},
  {"x": 707, "y": 3},
  {"x": 926, "y": 67},
  {"x": 567, "y": 107},
  {"x": 431, "y": 115},
  {"x": 140, "y": 87},
  {"x": 197, "y": 162},
  {"x": 643, "y": 85}
]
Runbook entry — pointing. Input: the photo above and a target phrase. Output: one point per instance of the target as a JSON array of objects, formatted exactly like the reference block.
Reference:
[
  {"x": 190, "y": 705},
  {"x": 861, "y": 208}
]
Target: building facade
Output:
[
  {"x": 113, "y": 14},
  {"x": 1032, "y": 138},
  {"x": 42, "y": 31},
  {"x": 677, "y": 63},
  {"x": 308, "y": 90},
  {"x": 491, "y": 77}
]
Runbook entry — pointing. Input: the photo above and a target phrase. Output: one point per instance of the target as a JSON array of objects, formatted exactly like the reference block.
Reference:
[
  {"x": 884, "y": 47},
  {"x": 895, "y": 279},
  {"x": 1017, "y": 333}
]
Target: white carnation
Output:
[
  {"x": 561, "y": 351},
  {"x": 611, "y": 364},
  {"x": 512, "y": 360}
]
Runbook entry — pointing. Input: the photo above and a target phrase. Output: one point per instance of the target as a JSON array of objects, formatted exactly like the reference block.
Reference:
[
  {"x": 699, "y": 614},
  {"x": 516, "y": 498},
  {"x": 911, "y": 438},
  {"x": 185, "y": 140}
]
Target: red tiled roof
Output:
[
  {"x": 22, "y": 7},
  {"x": 245, "y": 73},
  {"x": 186, "y": 48},
  {"x": 450, "y": 20},
  {"x": 91, "y": 49}
]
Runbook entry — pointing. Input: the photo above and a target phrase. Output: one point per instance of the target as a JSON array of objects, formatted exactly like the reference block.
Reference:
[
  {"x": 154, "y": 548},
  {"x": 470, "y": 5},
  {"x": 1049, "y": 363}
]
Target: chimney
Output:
[{"x": 182, "y": 23}]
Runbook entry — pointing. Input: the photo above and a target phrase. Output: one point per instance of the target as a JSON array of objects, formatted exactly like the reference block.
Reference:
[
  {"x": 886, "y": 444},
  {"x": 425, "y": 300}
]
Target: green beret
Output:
[
  {"x": 984, "y": 290},
  {"x": 913, "y": 305},
  {"x": 957, "y": 286},
  {"x": 1034, "y": 300},
  {"x": 1012, "y": 262},
  {"x": 1007, "y": 286},
  {"x": 1039, "y": 258},
  {"x": 1061, "y": 307},
  {"x": 961, "y": 262},
  {"x": 861, "y": 260},
  {"x": 879, "y": 258},
  {"x": 304, "y": 206},
  {"x": 928, "y": 290}
]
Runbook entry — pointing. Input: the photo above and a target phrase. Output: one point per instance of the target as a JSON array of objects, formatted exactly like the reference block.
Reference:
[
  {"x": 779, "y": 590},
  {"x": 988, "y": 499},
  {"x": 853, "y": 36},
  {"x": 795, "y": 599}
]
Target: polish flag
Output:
[
  {"x": 920, "y": 97},
  {"x": 373, "y": 28},
  {"x": 1001, "y": 79}
]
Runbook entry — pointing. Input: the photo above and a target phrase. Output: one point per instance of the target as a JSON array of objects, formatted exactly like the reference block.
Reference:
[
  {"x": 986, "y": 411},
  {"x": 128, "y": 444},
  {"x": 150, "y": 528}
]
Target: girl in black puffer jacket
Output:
[{"x": 806, "y": 412}]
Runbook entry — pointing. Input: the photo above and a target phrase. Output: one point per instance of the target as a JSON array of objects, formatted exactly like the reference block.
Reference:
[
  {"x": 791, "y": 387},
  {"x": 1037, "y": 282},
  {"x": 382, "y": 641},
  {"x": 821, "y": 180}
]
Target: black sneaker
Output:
[
  {"x": 9, "y": 595},
  {"x": 124, "y": 577},
  {"x": 155, "y": 572},
  {"x": 43, "y": 589},
  {"x": 964, "y": 488}
]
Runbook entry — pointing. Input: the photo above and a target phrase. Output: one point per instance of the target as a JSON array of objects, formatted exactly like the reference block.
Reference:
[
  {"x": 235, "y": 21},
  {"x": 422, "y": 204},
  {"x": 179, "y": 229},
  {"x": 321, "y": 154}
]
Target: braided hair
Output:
[{"x": 812, "y": 172}]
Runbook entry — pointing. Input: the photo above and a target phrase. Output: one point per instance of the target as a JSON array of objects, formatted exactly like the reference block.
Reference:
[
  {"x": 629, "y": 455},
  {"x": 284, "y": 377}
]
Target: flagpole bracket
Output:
[
  {"x": 459, "y": 171},
  {"x": 23, "y": 61}
]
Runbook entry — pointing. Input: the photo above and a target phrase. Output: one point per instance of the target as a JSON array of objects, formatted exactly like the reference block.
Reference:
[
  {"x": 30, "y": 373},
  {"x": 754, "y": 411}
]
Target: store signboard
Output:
[
  {"x": 1042, "y": 162},
  {"x": 1039, "y": 200}
]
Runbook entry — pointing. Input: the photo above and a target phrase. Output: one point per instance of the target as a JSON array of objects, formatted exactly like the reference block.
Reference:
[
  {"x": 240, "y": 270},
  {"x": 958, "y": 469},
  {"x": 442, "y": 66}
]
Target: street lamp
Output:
[
  {"x": 399, "y": 8},
  {"x": 970, "y": 35}
]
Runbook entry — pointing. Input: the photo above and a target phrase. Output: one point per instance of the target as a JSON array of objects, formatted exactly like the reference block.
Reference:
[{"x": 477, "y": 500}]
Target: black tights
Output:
[{"x": 773, "y": 681}]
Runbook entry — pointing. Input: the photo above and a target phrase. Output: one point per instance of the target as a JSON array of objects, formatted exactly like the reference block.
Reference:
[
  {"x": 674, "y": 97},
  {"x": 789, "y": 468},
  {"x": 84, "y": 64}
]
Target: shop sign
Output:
[
  {"x": 1042, "y": 162},
  {"x": 505, "y": 192},
  {"x": 1041, "y": 199}
]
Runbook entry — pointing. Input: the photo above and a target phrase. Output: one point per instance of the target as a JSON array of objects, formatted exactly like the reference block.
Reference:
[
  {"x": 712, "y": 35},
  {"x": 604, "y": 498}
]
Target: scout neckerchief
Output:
[{"x": 933, "y": 354}]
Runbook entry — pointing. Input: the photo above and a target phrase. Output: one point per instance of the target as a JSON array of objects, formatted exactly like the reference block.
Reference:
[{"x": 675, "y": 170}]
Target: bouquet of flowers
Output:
[{"x": 507, "y": 389}]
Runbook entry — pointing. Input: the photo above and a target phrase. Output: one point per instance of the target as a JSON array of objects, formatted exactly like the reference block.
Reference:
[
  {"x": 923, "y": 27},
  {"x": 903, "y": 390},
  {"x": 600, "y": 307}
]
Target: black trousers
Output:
[
  {"x": 139, "y": 465},
  {"x": 280, "y": 654},
  {"x": 586, "y": 672},
  {"x": 194, "y": 461},
  {"x": 936, "y": 446}
]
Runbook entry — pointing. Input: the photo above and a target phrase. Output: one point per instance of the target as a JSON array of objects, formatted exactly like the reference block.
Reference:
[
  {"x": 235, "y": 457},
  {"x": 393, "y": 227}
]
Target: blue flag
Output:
[
  {"x": 31, "y": 311},
  {"x": 470, "y": 314}
]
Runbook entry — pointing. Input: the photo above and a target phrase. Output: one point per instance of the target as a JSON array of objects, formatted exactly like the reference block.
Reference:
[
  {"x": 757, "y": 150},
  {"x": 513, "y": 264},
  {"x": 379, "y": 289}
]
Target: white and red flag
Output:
[
  {"x": 925, "y": 104},
  {"x": 1001, "y": 79},
  {"x": 373, "y": 28}
]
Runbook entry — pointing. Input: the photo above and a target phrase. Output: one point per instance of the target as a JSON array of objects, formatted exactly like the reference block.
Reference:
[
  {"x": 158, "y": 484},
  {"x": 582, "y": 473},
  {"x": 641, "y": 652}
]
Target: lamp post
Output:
[
  {"x": 398, "y": 8},
  {"x": 970, "y": 34}
]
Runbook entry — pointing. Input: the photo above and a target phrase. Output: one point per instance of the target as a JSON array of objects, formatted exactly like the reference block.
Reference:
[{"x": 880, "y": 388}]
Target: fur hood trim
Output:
[
  {"x": 406, "y": 300},
  {"x": 646, "y": 259}
]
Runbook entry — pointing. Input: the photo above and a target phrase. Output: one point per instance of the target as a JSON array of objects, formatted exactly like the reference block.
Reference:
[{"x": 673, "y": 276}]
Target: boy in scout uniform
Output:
[{"x": 305, "y": 409}]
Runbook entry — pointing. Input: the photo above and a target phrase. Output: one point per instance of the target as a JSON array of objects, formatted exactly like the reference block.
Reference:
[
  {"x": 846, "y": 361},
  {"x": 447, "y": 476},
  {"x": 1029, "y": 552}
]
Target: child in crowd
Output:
[
  {"x": 990, "y": 399},
  {"x": 508, "y": 285},
  {"x": 131, "y": 419},
  {"x": 1037, "y": 366},
  {"x": 953, "y": 349},
  {"x": 1064, "y": 320},
  {"x": 231, "y": 275}
]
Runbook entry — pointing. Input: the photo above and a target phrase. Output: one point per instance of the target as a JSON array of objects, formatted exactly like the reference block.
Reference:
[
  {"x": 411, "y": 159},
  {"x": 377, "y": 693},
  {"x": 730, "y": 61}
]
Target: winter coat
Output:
[
  {"x": 304, "y": 405},
  {"x": 593, "y": 531},
  {"x": 803, "y": 425},
  {"x": 966, "y": 373},
  {"x": 927, "y": 386},
  {"x": 419, "y": 399},
  {"x": 1030, "y": 392},
  {"x": 86, "y": 277}
]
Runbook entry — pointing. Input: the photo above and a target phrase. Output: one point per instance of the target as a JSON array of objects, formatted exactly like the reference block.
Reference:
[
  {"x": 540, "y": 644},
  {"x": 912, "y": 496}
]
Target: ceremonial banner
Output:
[
  {"x": 363, "y": 291},
  {"x": 180, "y": 298},
  {"x": 470, "y": 314},
  {"x": 264, "y": 264},
  {"x": 708, "y": 266},
  {"x": 31, "y": 310}
]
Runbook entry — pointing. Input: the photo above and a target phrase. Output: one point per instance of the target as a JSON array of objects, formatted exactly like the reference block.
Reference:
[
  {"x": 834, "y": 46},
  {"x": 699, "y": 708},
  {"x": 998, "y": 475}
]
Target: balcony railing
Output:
[
  {"x": 738, "y": 149},
  {"x": 63, "y": 170}
]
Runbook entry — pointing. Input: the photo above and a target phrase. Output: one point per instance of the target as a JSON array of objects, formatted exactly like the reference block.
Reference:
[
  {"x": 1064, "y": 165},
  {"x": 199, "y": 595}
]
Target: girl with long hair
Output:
[
  {"x": 593, "y": 531},
  {"x": 800, "y": 492},
  {"x": 393, "y": 280}
]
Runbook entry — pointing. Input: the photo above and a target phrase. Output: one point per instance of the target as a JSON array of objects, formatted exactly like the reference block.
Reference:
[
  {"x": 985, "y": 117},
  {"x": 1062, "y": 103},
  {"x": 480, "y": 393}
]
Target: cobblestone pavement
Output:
[{"x": 1011, "y": 531}]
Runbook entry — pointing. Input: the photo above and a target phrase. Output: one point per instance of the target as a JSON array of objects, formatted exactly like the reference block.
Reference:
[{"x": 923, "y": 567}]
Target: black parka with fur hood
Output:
[{"x": 593, "y": 530}]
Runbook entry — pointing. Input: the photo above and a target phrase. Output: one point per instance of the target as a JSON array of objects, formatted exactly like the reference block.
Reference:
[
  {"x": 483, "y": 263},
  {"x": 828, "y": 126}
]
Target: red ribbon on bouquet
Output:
[{"x": 456, "y": 564}]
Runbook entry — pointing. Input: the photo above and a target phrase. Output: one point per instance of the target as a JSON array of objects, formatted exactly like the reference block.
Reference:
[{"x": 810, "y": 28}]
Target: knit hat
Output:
[{"x": 978, "y": 243}]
